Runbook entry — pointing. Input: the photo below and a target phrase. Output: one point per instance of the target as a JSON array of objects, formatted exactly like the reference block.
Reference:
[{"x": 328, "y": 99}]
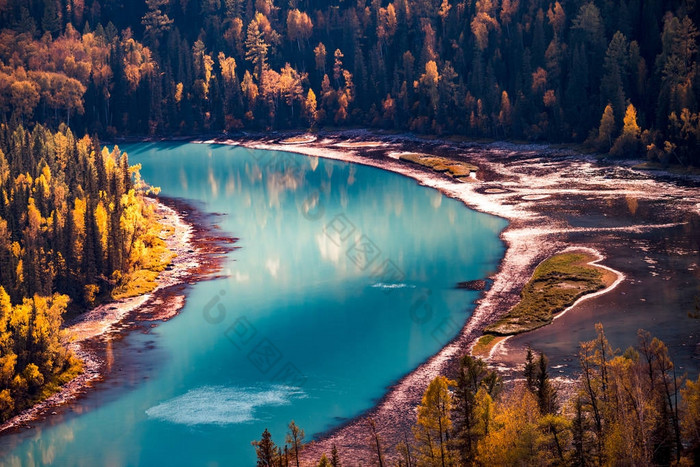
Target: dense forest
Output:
[
  {"x": 624, "y": 409},
  {"x": 74, "y": 229},
  {"x": 619, "y": 74}
]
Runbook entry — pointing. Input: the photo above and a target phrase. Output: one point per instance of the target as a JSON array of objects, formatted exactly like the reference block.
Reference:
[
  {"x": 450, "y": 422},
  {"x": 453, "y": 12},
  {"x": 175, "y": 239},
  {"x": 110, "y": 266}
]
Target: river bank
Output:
[
  {"x": 544, "y": 192},
  {"x": 198, "y": 248},
  {"x": 639, "y": 225}
]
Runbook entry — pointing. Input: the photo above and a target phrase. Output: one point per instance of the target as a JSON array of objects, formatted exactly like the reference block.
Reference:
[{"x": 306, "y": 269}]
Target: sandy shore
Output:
[
  {"x": 505, "y": 187},
  {"x": 196, "y": 252}
]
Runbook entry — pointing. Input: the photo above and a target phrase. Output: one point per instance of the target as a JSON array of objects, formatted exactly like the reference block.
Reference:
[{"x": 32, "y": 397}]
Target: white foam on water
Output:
[
  {"x": 221, "y": 405},
  {"x": 383, "y": 285}
]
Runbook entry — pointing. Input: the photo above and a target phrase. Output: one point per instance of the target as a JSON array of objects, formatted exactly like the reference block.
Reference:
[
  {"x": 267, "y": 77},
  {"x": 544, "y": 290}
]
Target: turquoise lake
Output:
[{"x": 343, "y": 283}]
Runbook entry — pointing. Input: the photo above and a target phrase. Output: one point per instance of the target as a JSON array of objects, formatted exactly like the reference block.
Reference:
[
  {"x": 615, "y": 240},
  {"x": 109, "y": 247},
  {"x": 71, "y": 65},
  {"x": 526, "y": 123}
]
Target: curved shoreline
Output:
[
  {"x": 401, "y": 398},
  {"x": 192, "y": 244},
  {"x": 494, "y": 195},
  {"x": 393, "y": 413}
]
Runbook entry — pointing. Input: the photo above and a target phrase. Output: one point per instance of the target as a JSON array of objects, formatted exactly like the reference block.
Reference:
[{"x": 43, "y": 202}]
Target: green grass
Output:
[
  {"x": 483, "y": 345},
  {"x": 138, "y": 283},
  {"x": 440, "y": 164},
  {"x": 555, "y": 285}
]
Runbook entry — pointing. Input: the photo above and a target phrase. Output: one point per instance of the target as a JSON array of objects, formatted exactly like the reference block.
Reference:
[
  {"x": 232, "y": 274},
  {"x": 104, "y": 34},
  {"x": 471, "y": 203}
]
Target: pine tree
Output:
[
  {"x": 615, "y": 76},
  {"x": 155, "y": 21},
  {"x": 530, "y": 371},
  {"x": 335, "y": 458},
  {"x": 606, "y": 129},
  {"x": 546, "y": 394},
  {"x": 265, "y": 450},
  {"x": 51, "y": 20},
  {"x": 256, "y": 48},
  {"x": 295, "y": 438}
]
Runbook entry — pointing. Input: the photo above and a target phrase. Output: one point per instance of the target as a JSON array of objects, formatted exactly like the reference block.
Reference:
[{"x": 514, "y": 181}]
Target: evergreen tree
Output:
[
  {"x": 335, "y": 458},
  {"x": 546, "y": 394},
  {"x": 530, "y": 371},
  {"x": 295, "y": 438},
  {"x": 265, "y": 450}
]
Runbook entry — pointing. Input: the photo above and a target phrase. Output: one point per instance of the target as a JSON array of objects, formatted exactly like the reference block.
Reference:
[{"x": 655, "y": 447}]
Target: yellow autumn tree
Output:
[
  {"x": 513, "y": 437},
  {"x": 429, "y": 81},
  {"x": 691, "y": 418},
  {"x": 605, "y": 130},
  {"x": 628, "y": 144},
  {"x": 299, "y": 27},
  {"x": 249, "y": 88},
  {"x": 506, "y": 112},
  {"x": 310, "y": 107},
  {"x": 228, "y": 68},
  {"x": 31, "y": 354},
  {"x": 434, "y": 424}
]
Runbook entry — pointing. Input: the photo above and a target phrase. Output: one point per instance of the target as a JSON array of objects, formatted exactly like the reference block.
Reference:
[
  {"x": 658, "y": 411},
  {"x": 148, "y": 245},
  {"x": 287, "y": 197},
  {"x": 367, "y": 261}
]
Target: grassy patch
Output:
[
  {"x": 555, "y": 285},
  {"x": 440, "y": 164},
  {"x": 484, "y": 345},
  {"x": 137, "y": 283}
]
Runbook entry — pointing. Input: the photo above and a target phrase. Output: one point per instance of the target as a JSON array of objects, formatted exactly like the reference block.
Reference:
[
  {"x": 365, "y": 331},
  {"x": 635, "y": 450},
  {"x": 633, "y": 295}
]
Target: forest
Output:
[
  {"x": 75, "y": 231},
  {"x": 620, "y": 75},
  {"x": 623, "y": 409}
]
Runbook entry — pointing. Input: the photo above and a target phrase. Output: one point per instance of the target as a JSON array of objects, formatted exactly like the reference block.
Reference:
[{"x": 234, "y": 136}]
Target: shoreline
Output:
[
  {"x": 497, "y": 192},
  {"x": 402, "y": 397},
  {"x": 197, "y": 257},
  {"x": 529, "y": 238}
]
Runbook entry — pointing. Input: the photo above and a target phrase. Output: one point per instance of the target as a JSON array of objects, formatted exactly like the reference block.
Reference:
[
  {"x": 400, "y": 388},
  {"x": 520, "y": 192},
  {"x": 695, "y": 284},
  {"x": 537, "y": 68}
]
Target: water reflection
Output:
[{"x": 344, "y": 283}]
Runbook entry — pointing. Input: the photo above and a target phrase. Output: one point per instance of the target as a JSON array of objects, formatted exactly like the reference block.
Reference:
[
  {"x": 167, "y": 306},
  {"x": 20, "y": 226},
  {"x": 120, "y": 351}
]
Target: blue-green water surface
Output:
[{"x": 344, "y": 282}]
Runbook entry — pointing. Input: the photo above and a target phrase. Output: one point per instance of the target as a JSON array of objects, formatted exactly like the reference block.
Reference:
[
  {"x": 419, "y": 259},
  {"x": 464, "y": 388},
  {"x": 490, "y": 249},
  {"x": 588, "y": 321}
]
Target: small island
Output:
[{"x": 557, "y": 283}]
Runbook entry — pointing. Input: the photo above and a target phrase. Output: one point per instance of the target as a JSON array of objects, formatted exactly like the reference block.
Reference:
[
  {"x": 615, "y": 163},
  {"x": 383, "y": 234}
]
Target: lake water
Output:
[{"x": 344, "y": 283}]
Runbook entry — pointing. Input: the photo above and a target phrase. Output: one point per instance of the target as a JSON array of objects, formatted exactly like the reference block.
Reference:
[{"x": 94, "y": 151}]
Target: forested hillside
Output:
[
  {"x": 620, "y": 74},
  {"x": 74, "y": 228}
]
